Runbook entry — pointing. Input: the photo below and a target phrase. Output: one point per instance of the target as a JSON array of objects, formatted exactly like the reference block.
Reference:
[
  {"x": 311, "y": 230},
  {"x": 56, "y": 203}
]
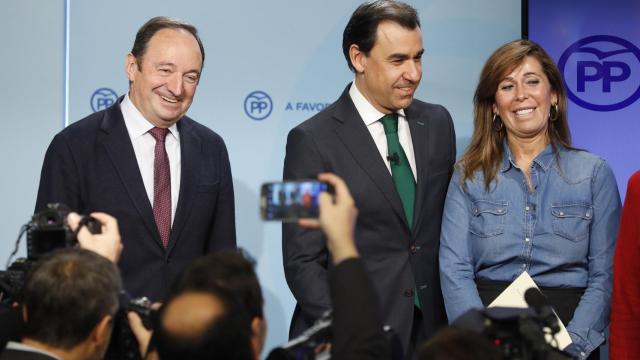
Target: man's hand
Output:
[
  {"x": 142, "y": 334},
  {"x": 107, "y": 244},
  {"x": 337, "y": 219}
]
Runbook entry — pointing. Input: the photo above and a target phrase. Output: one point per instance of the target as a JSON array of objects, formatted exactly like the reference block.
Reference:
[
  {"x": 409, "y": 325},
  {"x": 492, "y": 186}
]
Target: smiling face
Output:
[
  {"x": 523, "y": 100},
  {"x": 389, "y": 75},
  {"x": 163, "y": 85}
]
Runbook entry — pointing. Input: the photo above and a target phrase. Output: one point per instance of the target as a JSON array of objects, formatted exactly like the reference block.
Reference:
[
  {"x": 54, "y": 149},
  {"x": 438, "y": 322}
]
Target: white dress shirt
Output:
[
  {"x": 371, "y": 117},
  {"x": 144, "y": 147}
]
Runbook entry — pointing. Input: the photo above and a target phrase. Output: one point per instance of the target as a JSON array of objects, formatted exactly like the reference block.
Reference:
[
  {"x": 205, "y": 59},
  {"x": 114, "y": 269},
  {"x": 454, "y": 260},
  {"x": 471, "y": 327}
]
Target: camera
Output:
[
  {"x": 308, "y": 344},
  {"x": 124, "y": 345},
  {"x": 142, "y": 307},
  {"x": 12, "y": 281},
  {"x": 49, "y": 230},
  {"x": 314, "y": 343},
  {"x": 518, "y": 333}
]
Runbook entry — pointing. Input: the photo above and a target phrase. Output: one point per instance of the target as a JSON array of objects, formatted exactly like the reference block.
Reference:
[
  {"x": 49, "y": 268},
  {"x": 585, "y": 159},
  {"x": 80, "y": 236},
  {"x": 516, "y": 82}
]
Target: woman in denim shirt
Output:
[{"x": 522, "y": 199}]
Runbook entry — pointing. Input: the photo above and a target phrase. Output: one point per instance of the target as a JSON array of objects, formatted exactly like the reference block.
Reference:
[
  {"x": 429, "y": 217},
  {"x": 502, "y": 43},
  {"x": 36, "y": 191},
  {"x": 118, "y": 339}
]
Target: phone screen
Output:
[{"x": 291, "y": 200}]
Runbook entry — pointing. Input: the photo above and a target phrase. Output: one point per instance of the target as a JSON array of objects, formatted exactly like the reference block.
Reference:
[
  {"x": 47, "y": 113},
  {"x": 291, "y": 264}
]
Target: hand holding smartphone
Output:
[{"x": 289, "y": 201}]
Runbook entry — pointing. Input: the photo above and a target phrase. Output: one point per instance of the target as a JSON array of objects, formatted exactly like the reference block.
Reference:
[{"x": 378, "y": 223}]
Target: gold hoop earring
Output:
[
  {"x": 553, "y": 112},
  {"x": 497, "y": 127}
]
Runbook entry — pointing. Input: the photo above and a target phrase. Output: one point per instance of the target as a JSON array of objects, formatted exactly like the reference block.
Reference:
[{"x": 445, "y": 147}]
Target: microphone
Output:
[
  {"x": 538, "y": 302},
  {"x": 394, "y": 158},
  {"x": 534, "y": 298}
]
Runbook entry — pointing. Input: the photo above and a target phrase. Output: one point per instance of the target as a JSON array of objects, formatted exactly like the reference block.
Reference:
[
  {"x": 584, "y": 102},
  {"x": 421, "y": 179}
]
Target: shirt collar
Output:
[
  {"x": 23, "y": 347},
  {"x": 136, "y": 123},
  {"x": 544, "y": 159},
  {"x": 507, "y": 159},
  {"x": 368, "y": 112}
]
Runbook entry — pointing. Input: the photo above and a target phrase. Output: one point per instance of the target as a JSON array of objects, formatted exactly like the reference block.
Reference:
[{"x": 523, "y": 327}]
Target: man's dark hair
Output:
[
  {"x": 66, "y": 295},
  {"x": 227, "y": 336},
  {"x": 228, "y": 270},
  {"x": 363, "y": 25},
  {"x": 151, "y": 27}
]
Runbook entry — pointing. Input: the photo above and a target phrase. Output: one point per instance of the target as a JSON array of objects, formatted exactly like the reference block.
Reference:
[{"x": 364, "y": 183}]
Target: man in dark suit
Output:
[
  {"x": 396, "y": 154},
  {"x": 69, "y": 300},
  {"x": 165, "y": 177}
]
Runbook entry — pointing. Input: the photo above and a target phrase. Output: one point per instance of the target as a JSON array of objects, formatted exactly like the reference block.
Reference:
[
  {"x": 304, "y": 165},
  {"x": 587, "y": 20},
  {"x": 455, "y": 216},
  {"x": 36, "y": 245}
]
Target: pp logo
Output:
[
  {"x": 103, "y": 98},
  {"x": 258, "y": 105},
  {"x": 602, "y": 72}
]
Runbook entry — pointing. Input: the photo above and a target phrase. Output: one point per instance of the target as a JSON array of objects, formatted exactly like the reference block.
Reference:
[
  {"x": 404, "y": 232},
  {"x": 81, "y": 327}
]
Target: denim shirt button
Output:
[
  {"x": 526, "y": 208},
  {"x": 526, "y": 239},
  {"x": 561, "y": 213}
]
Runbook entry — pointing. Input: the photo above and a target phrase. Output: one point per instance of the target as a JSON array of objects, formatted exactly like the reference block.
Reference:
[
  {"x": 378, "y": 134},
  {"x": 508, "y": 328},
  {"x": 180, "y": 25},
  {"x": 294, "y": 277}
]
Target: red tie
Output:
[{"x": 161, "y": 186}]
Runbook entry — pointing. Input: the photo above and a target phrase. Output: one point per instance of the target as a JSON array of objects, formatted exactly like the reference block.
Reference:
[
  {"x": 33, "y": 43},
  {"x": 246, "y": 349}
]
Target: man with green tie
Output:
[{"x": 396, "y": 154}]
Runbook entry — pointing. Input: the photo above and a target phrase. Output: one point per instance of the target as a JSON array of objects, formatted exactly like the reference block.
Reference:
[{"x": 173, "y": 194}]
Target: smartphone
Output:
[{"x": 291, "y": 200}]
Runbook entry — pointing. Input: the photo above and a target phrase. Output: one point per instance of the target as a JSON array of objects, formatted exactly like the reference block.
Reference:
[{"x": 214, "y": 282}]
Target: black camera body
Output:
[
  {"x": 517, "y": 332},
  {"x": 12, "y": 281},
  {"x": 49, "y": 230},
  {"x": 312, "y": 344},
  {"x": 142, "y": 307},
  {"x": 124, "y": 345}
]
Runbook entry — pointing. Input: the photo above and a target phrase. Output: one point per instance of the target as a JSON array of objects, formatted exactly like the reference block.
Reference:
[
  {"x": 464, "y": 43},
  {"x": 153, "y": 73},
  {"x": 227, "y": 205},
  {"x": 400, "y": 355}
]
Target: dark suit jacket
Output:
[
  {"x": 357, "y": 328},
  {"x": 398, "y": 259},
  {"x": 12, "y": 354},
  {"x": 91, "y": 166}
]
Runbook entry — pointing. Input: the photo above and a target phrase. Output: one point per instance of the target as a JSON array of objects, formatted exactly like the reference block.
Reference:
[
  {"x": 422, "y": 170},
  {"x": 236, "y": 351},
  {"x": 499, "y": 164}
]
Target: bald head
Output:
[
  {"x": 189, "y": 315},
  {"x": 203, "y": 325}
]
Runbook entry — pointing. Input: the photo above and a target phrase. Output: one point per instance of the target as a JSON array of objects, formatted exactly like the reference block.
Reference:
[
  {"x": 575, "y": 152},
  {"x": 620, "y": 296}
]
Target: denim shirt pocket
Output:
[
  {"x": 571, "y": 221},
  {"x": 488, "y": 217}
]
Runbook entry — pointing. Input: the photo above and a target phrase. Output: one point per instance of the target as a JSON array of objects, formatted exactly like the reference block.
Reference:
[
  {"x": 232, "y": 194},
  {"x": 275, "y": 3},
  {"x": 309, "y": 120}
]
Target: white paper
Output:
[{"x": 513, "y": 296}]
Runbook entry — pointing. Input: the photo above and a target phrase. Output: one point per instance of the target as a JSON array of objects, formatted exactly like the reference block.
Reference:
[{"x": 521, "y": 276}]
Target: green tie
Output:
[
  {"x": 400, "y": 169},
  {"x": 401, "y": 173}
]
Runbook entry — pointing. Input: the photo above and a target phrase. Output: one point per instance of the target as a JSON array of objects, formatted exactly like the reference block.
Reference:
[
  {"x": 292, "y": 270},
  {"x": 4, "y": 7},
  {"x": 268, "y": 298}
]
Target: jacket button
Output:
[
  {"x": 408, "y": 293},
  {"x": 413, "y": 249}
]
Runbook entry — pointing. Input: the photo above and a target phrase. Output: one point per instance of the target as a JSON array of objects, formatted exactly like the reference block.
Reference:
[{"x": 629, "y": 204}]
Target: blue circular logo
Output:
[
  {"x": 258, "y": 105},
  {"x": 602, "y": 72},
  {"x": 103, "y": 98}
]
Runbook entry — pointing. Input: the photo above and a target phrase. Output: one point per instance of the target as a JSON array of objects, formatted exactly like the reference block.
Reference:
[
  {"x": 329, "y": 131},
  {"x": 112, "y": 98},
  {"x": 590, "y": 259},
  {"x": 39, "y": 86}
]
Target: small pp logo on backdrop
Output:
[
  {"x": 258, "y": 105},
  {"x": 602, "y": 72},
  {"x": 103, "y": 98}
]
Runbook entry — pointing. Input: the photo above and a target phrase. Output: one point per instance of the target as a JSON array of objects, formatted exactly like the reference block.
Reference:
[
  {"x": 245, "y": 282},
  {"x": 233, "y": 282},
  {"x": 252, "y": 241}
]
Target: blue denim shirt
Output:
[{"x": 563, "y": 234}]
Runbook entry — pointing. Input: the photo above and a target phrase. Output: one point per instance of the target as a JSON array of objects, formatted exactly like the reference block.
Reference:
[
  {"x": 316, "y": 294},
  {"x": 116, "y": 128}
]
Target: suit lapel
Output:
[
  {"x": 419, "y": 128},
  {"x": 356, "y": 138},
  {"x": 115, "y": 139},
  {"x": 190, "y": 158}
]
